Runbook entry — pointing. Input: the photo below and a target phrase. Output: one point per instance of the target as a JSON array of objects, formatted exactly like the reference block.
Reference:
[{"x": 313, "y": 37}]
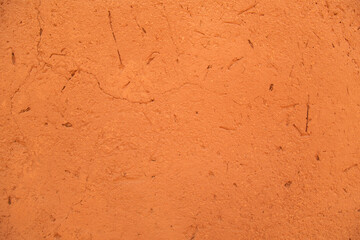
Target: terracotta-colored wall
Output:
[{"x": 180, "y": 120}]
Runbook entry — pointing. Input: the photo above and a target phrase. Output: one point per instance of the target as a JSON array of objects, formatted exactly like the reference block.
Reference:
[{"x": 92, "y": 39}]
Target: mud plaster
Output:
[{"x": 179, "y": 120}]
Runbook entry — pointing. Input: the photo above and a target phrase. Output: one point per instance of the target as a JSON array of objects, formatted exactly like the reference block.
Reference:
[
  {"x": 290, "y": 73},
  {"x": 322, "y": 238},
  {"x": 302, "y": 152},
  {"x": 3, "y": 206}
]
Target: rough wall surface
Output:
[{"x": 180, "y": 119}]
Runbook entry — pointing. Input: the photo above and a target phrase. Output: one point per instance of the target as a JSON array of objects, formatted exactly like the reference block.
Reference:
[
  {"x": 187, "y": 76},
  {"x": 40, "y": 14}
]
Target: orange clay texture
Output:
[{"x": 180, "y": 120}]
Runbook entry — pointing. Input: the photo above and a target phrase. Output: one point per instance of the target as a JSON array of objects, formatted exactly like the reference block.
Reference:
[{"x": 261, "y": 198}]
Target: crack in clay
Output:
[
  {"x": 152, "y": 99},
  {"x": 38, "y": 17},
  {"x": 121, "y": 65},
  {"x": 191, "y": 84},
  {"x": 111, "y": 95}
]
